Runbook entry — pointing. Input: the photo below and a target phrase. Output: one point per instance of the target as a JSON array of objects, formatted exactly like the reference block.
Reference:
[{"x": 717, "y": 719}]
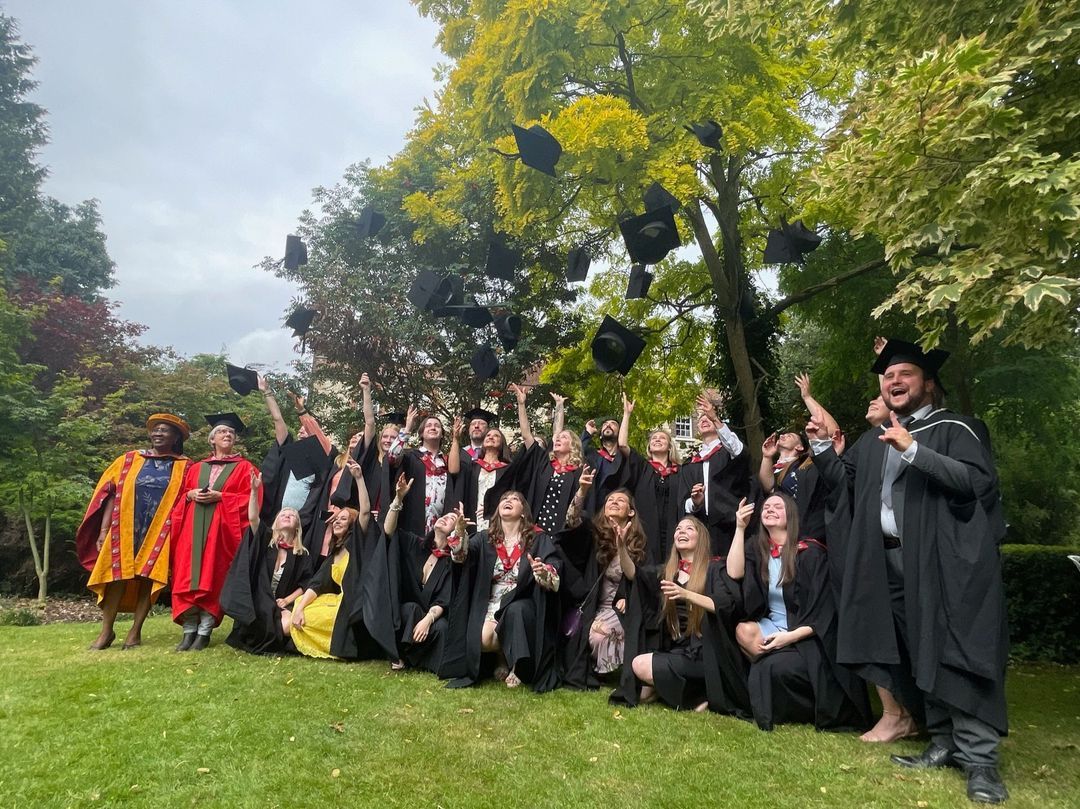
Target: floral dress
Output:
[
  {"x": 502, "y": 582},
  {"x": 609, "y": 643}
]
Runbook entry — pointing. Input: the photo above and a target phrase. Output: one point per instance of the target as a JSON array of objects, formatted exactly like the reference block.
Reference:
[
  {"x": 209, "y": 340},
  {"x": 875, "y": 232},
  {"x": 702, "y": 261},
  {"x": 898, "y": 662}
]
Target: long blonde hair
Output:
[
  {"x": 699, "y": 567},
  {"x": 673, "y": 456},
  {"x": 575, "y": 449},
  {"x": 294, "y": 536}
]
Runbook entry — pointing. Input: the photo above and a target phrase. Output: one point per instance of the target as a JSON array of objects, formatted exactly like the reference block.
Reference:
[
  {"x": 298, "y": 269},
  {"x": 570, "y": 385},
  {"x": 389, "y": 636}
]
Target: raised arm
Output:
[
  {"x": 736, "y": 559},
  {"x": 624, "y": 425},
  {"x": 769, "y": 451},
  {"x": 817, "y": 412},
  {"x": 585, "y": 482},
  {"x": 523, "y": 416},
  {"x": 453, "y": 458},
  {"x": 309, "y": 421},
  {"x": 558, "y": 414},
  {"x": 390, "y": 521},
  {"x": 369, "y": 409},
  {"x": 397, "y": 446},
  {"x": 253, "y": 500},
  {"x": 629, "y": 569},
  {"x": 363, "y": 502},
  {"x": 281, "y": 432}
]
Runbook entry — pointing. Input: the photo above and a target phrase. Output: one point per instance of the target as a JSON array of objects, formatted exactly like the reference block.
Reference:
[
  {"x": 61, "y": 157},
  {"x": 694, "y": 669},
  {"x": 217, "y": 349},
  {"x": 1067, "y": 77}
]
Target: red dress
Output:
[{"x": 206, "y": 536}]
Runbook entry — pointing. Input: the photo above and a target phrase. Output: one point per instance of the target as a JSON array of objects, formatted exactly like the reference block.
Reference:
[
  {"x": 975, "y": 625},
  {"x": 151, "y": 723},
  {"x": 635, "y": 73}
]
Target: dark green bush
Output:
[
  {"x": 19, "y": 616},
  {"x": 1042, "y": 587}
]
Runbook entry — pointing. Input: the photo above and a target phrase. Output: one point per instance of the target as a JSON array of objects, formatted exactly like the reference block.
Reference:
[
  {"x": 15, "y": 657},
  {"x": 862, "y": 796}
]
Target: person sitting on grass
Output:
[{"x": 790, "y": 637}]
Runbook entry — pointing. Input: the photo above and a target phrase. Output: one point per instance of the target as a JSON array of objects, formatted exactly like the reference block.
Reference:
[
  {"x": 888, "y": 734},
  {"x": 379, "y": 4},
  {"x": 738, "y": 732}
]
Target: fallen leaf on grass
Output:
[
  {"x": 823, "y": 790},
  {"x": 922, "y": 804},
  {"x": 292, "y": 738},
  {"x": 593, "y": 760},
  {"x": 466, "y": 710},
  {"x": 335, "y": 773},
  {"x": 846, "y": 768},
  {"x": 189, "y": 671},
  {"x": 203, "y": 770},
  {"x": 338, "y": 726},
  {"x": 1044, "y": 771},
  {"x": 618, "y": 715},
  {"x": 290, "y": 681},
  {"x": 135, "y": 787}
]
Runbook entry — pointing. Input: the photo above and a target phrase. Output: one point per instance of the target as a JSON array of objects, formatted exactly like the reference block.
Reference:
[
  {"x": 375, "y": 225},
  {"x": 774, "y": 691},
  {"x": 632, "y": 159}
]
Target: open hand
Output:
[
  {"x": 672, "y": 591},
  {"x": 770, "y": 448},
  {"x": 743, "y": 514}
]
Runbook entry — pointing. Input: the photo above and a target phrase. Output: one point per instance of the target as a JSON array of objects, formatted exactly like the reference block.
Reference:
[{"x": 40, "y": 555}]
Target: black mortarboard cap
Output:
[
  {"x": 508, "y": 327},
  {"x": 474, "y": 315},
  {"x": 369, "y": 223},
  {"x": 295, "y": 252},
  {"x": 577, "y": 264},
  {"x": 451, "y": 289},
  {"x": 651, "y": 236},
  {"x": 480, "y": 413},
  {"x": 300, "y": 320},
  {"x": 708, "y": 133},
  {"x": 484, "y": 363},
  {"x": 537, "y": 148},
  {"x": 229, "y": 419},
  {"x": 657, "y": 197},
  {"x": 640, "y": 281},
  {"x": 502, "y": 261},
  {"x": 615, "y": 347},
  {"x": 305, "y": 457},
  {"x": 241, "y": 380},
  {"x": 903, "y": 351},
  {"x": 789, "y": 243},
  {"x": 393, "y": 418},
  {"x": 431, "y": 292}
]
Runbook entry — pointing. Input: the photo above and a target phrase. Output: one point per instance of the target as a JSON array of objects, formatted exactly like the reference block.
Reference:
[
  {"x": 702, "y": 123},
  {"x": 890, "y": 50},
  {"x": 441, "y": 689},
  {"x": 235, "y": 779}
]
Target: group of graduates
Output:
[{"x": 775, "y": 596}]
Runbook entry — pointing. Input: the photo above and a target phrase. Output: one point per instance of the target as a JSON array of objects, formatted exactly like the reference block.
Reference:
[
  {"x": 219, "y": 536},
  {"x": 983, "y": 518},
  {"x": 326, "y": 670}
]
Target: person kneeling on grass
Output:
[
  {"x": 509, "y": 604},
  {"x": 791, "y": 637},
  {"x": 680, "y": 628}
]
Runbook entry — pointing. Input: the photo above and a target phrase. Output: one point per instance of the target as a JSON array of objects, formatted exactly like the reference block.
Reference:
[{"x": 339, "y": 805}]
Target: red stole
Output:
[{"x": 509, "y": 560}]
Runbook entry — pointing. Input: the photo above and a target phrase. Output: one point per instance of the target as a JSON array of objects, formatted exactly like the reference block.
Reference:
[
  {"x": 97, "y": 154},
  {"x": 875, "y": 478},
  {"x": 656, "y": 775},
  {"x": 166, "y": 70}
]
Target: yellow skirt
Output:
[{"x": 313, "y": 638}]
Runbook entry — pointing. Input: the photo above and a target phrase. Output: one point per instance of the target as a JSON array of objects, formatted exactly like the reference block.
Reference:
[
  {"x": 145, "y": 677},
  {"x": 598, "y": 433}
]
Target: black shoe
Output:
[
  {"x": 933, "y": 757},
  {"x": 200, "y": 643},
  {"x": 984, "y": 785},
  {"x": 185, "y": 644}
]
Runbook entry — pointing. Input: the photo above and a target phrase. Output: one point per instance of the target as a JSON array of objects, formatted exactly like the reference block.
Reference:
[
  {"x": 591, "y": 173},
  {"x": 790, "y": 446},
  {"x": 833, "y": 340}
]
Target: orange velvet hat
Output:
[{"x": 169, "y": 418}]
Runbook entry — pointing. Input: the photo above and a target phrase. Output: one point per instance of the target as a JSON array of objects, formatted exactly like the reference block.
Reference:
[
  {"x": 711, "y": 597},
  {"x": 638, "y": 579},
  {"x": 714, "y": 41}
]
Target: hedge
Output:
[{"x": 1042, "y": 587}]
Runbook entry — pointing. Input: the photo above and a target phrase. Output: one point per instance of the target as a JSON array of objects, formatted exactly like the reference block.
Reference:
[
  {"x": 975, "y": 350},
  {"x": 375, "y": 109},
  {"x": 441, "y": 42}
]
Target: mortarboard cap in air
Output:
[
  {"x": 295, "y": 252},
  {"x": 615, "y": 347},
  {"x": 300, "y": 320},
  {"x": 708, "y": 133},
  {"x": 369, "y": 223},
  {"x": 474, "y": 315},
  {"x": 789, "y": 243},
  {"x": 640, "y": 281},
  {"x": 431, "y": 292},
  {"x": 241, "y": 380},
  {"x": 508, "y": 328},
  {"x": 657, "y": 197},
  {"x": 577, "y": 264},
  {"x": 393, "y": 418},
  {"x": 651, "y": 236},
  {"x": 537, "y": 148},
  {"x": 226, "y": 419},
  {"x": 484, "y": 363},
  {"x": 502, "y": 261}
]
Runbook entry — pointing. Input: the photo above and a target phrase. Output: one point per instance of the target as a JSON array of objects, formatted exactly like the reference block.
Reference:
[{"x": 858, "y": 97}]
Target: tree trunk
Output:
[
  {"x": 40, "y": 566},
  {"x": 43, "y": 577},
  {"x": 747, "y": 385}
]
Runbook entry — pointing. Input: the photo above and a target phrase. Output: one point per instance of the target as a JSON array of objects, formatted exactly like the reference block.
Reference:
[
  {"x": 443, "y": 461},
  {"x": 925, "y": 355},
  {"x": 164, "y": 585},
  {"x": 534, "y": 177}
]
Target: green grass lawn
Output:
[{"x": 150, "y": 727}]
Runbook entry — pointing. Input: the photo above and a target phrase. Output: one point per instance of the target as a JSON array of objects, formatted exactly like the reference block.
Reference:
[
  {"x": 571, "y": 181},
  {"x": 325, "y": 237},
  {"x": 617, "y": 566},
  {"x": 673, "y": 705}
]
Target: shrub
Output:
[
  {"x": 1042, "y": 588},
  {"x": 19, "y": 616}
]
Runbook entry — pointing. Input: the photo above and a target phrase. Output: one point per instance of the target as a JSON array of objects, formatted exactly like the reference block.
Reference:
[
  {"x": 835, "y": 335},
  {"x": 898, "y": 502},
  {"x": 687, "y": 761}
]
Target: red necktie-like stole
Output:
[
  {"x": 509, "y": 560},
  {"x": 662, "y": 470},
  {"x": 430, "y": 468}
]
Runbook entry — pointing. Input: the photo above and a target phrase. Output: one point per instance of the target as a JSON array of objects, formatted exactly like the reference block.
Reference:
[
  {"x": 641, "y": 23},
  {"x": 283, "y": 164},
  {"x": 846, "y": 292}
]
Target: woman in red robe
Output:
[{"x": 208, "y": 523}]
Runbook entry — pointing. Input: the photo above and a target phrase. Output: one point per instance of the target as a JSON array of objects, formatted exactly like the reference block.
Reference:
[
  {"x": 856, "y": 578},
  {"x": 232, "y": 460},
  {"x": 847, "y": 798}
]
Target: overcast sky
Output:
[{"x": 203, "y": 126}]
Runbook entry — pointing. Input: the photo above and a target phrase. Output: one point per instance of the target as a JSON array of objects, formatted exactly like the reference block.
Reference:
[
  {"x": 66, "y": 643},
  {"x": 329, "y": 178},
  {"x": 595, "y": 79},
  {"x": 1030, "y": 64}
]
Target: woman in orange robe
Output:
[{"x": 123, "y": 541}]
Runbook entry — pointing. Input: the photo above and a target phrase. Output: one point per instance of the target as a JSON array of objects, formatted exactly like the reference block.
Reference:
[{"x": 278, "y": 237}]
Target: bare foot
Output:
[
  {"x": 512, "y": 680},
  {"x": 397, "y": 665},
  {"x": 501, "y": 673},
  {"x": 702, "y": 708},
  {"x": 648, "y": 694},
  {"x": 890, "y": 728},
  {"x": 104, "y": 641}
]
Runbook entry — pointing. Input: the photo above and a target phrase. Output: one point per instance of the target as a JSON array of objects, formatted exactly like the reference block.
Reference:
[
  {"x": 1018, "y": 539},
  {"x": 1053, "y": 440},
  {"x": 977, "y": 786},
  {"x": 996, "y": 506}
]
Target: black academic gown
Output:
[
  {"x": 536, "y": 475},
  {"x": 466, "y": 484},
  {"x": 413, "y": 510},
  {"x": 723, "y": 665},
  {"x": 802, "y": 682},
  {"x": 810, "y": 496},
  {"x": 248, "y": 599},
  {"x": 416, "y": 597},
  {"x": 275, "y": 470},
  {"x": 528, "y": 615},
  {"x": 729, "y": 482},
  {"x": 610, "y": 475},
  {"x": 948, "y": 511},
  {"x": 659, "y": 508},
  {"x": 364, "y": 627},
  {"x": 579, "y": 588}
]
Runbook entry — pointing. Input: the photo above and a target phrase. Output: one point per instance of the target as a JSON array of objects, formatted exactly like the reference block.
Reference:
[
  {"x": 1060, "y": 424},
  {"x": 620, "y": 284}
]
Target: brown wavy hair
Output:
[
  {"x": 790, "y": 549},
  {"x": 604, "y": 535},
  {"x": 496, "y": 534},
  {"x": 575, "y": 457},
  {"x": 699, "y": 567}
]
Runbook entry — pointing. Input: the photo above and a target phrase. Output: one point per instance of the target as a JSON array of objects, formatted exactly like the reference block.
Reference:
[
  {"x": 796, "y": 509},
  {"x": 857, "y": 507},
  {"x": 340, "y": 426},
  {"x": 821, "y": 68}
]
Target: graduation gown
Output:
[
  {"x": 466, "y": 484},
  {"x": 416, "y": 597},
  {"x": 615, "y": 474},
  {"x": 729, "y": 482},
  {"x": 948, "y": 512},
  {"x": 276, "y": 469},
  {"x": 803, "y": 682},
  {"x": 536, "y": 475},
  {"x": 248, "y": 599},
  {"x": 579, "y": 576},
  {"x": 810, "y": 496},
  {"x": 724, "y": 666},
  {"x": 364, "y": 625},
  {"x": 119, "y": 559},
  {"x": 659, "y": 508},
  {"x": 207, "y": 536},
  {"x": 528, "y": 615},
  {"x": 413, "y": 516}
]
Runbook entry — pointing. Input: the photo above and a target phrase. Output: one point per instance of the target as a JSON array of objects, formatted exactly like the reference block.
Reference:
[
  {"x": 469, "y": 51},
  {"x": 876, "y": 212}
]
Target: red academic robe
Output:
[{"x": 206, "y": 537}]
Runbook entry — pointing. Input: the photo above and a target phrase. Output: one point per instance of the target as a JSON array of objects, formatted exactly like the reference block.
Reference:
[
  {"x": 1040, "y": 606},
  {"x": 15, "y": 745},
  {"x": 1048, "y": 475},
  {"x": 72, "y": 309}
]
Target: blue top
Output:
[
  {"x": 150, "y": 486},
  {"x": 296, "y": 491},
  {"x": 777, "y": 607}
]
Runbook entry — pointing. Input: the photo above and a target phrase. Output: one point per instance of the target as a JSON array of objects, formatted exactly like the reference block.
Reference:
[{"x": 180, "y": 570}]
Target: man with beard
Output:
[
  {"x": 922, "y": 607},
  {"x": 480, "y": 421},
  {"x": 608, "y": 463}
]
